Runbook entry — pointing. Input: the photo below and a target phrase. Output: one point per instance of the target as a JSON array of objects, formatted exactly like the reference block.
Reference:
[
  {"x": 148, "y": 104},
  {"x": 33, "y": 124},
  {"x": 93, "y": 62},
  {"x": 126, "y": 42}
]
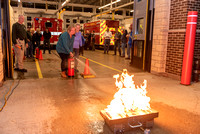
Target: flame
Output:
[{"x": 129, "y": 98}]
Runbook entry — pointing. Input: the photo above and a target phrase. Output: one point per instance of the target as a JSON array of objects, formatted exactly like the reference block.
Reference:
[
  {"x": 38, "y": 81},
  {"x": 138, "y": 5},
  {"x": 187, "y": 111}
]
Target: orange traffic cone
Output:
[
  {"x": 86, "y": 73},
  {"x": 40, "y": 56}
]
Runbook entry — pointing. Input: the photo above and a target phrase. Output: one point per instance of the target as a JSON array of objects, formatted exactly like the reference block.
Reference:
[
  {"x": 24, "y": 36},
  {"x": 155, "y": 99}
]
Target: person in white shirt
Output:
[{"x": 107, "y": 37}]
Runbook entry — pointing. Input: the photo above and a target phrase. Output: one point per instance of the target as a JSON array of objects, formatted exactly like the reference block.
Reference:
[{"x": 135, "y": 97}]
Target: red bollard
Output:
[
  {"x": 189, "y": 47},
  {"x": 71, "y": 67}
]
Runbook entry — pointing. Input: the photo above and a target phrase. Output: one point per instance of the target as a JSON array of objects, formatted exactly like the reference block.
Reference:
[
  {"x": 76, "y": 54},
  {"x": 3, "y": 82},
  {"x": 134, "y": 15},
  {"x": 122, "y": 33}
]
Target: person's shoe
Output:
[
  {"x": 16, "y": 69},
  {"x": 63, "y": 74},
  {"x": 23, "y": 70},
  {"x": 49, "y": 52},
  {"x": 127, "y": 58},
  {"x": 122, "y": 56}
]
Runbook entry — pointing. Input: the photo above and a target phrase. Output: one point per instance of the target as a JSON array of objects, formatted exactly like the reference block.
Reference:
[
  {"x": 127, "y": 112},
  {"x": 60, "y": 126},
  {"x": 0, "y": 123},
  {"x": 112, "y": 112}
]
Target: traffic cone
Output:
[
  {"x": 40, "y": 56},
  {"x": 86, "y": 73}
]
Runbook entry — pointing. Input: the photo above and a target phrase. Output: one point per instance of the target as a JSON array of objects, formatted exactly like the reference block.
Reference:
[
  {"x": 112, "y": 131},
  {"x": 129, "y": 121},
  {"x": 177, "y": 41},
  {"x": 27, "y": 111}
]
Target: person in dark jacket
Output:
[
  {"x": 124, "y": 41},
  {"x": 29, "y": 50},
  {"x": 93, "y": 40},
  {"x": 88, "y": 39},
  {"x": 36, "y": 37},
  {"x": 117, "y": 42},
  {"x": 19, "y": 38},
  {"x": 47, "y": 36},
  {"x": 64, "y": 48}
]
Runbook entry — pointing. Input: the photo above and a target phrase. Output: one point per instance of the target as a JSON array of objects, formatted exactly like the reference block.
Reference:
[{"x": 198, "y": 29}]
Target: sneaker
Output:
[
  {"x": 63, "y": 74},
  {"x": 16, "y": 69},
  {"x": 127, "y": 58},
  {"x": 23, "y": 70}
]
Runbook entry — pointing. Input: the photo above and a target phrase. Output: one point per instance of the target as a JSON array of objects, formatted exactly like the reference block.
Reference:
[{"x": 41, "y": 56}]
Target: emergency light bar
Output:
[{"x": 109, "y": 4}]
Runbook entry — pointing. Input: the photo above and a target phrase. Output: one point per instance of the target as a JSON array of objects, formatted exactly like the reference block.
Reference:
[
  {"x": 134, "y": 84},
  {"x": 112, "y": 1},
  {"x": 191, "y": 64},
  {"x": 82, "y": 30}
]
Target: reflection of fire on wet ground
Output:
[{"x": 129, "y": 106}]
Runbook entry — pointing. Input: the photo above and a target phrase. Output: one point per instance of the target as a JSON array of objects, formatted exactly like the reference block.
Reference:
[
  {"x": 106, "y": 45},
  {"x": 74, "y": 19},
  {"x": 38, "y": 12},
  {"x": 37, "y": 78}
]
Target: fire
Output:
[{"x": 129, "y": 98}]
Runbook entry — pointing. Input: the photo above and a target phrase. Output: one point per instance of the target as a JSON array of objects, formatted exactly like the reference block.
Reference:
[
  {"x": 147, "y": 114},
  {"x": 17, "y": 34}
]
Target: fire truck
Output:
[
  {"x": 53, "y": 24},
  {"x": 99, "y": 28}
]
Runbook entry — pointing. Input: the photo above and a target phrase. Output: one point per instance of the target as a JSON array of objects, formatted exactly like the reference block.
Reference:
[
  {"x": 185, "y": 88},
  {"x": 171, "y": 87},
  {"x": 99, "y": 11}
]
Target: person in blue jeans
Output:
[
  {"x": 129, "y": 42},
  {"x": 77, "y": 44},
  {"x": 64, "y": 48},
  {"x": 107, "y": 37}
]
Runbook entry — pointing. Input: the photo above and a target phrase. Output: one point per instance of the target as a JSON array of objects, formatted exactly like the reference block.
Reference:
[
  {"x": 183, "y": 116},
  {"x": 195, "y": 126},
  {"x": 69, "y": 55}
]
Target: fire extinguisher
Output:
[{"x": 71, "y": 67}]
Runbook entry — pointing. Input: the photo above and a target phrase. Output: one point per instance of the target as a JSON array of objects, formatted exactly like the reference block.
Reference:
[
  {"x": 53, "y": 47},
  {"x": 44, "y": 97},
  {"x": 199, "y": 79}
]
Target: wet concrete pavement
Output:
[{"x": 54, "y": 105}]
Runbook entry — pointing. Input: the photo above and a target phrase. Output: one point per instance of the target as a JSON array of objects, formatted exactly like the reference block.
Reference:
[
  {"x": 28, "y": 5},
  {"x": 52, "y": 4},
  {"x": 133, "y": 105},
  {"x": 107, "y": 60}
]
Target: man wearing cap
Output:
[{"x": 19, "y": 38}]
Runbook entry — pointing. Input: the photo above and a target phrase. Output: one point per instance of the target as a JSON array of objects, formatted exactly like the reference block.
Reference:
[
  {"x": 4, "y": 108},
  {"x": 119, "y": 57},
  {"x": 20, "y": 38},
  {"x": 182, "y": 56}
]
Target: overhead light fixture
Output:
[
  {"x": 18, "y": 0},
  {"x": 109, "y": 4},
  {"x": 65, "y": 2},
  {"x": 132, "y": 11}
]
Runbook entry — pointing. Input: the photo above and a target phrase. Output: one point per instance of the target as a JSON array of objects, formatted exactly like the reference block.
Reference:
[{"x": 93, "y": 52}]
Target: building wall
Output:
[
  {"x": 160, "y": 36},
  {"x": 177, "y": 30},
  {"x": 1, "y": 60}
]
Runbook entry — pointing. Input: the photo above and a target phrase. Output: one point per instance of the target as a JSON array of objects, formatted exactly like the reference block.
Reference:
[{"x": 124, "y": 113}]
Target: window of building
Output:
[
  {"x": 27, "y": 4},
  {"x": 68, "y": 8},
  {"x": 67, "y": 20},
  {"x": 40, "y": 6},
  {"x": 28, "y": 18},
  {"x": 78, "y": 9},
  {"x": 74, "y": 20},
  {"x": 67, "y": 25},
  {"x": 87, "y": 21},
  {"x": 118, "y": 12},
  {"x": 14, "y": 3},
  {"x": 140, "y": 23},
  {"x": 98, "y": 11},
  {"x": 127, "y": 13},
  {"x": 53, "y": 7},
  {"x": 48, "y": 24},
  {"x": 131, "y": 13},
  {"x": 89, "y": 10},
  {"x": 29, "y": 25},
  {"x": 81, "y": 21}
]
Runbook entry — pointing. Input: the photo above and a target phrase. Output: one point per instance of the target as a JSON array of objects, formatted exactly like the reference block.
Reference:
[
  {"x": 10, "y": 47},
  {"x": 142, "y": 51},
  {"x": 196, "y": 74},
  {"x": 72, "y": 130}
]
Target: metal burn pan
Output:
[{"x": 131, "y": 121}]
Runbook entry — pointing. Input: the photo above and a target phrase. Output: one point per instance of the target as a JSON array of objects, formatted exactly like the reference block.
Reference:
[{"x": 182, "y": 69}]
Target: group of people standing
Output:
[
  {"x": 120, "y": 42},
  {"x": 34, "y": 39},
  {"x": 25, "y": 42}
]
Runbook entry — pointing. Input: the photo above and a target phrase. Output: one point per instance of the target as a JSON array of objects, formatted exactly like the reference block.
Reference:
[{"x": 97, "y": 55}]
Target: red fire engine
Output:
[
  {"x": 53, "y": 24},
  {"x": 99, "y": 28}
]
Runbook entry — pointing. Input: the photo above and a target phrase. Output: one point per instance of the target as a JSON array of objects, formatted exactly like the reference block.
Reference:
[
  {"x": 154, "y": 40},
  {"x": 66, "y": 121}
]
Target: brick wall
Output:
[
  {"x": 160, "y": 36},
  {"x": 176, "y": 35}
]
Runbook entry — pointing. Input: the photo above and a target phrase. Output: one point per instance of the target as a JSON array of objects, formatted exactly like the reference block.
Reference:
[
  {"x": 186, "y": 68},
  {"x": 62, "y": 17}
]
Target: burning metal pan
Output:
[{"x": 131, "y": 121}]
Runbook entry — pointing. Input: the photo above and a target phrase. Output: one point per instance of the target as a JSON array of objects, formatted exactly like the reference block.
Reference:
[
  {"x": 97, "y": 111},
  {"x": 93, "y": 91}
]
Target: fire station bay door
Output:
[{"x": 142, "y": 34}]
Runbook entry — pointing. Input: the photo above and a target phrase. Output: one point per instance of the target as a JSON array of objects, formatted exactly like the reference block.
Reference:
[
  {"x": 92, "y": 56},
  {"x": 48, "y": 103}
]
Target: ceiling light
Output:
[
  {"x": 18, "y": 0},
  {"x": 65, "y": 2},
  {"x": 132, "y": 11},
  {"x": 109, "y": 4}
]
